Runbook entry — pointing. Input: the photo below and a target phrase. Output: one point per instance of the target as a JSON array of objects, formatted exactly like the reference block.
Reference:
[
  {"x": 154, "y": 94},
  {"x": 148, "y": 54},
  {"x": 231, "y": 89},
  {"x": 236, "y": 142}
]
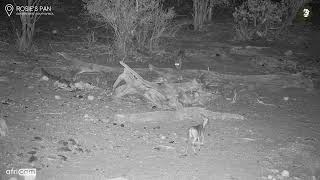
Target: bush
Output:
[
  {"x": 136, "y": 23},
  {"x": 256, "y": 17},
  {"x": 202, "y": 11},
  {"x": 265, "y": 17}
]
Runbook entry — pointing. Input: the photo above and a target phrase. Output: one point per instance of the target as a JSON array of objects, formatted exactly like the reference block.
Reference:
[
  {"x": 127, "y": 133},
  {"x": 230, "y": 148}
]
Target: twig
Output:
[
  {"x": 53, "y": 113},
  {"x": 261, "y": 102},
  {"x": 4, "y": 43},
  {"x": 235, "y": 97}
]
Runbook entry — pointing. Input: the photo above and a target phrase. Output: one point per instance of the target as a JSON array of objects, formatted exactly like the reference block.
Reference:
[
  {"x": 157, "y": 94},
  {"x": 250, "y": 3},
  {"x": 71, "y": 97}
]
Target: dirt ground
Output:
[{"x": 66, "y": 135}]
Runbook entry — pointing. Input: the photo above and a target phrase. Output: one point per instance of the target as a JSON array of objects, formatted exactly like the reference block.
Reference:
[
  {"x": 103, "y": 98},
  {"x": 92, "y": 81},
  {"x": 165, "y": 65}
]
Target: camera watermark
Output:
[
  {"x": 9, "y": 9},
  {"x": 306, "y": 12},
  {"x": 29, "y": 174},
  {"x": 28, "y": 10}
]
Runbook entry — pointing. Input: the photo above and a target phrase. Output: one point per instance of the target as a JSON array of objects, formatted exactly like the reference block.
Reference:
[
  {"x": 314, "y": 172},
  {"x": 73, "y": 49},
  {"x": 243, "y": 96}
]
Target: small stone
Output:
[
  {"x": 32, "y": 159},
  {"x": 288, "y": 53},
  {"x": 54, "y": 31},
  {"x": 44, "y": 78},
  {"x": 274, "y": 171},
  {"x": 72, "y": 141},
  {"x": 90, "y": 98},
  {"x": 63, "y": 142},
  {"x": 62, "y": 157},
  {"x": 163, "y": 137},
  {"x": 57, "y": 97},
  {"x": 37, "y": 138},
  {"x": 285, "y": 173},
  {"x": 32, "y": 152},
  {"x": 286, "y": 98},
  {"x": 270, "y": 177}
]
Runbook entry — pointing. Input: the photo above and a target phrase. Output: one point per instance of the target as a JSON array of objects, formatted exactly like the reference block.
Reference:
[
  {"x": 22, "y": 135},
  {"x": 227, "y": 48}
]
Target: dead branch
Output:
[
  {"x": 191, "y": 113},
  {"x": 164, "y": 95},
  {"x": 135, "y": 84},
  {"x": 272, "y": 82},
  {"x": 83, "y": 67}
]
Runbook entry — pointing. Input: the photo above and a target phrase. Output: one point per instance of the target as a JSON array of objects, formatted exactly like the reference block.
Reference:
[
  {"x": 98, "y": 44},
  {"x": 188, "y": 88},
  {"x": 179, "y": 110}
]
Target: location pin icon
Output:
[{"x": 9, "y": 9}]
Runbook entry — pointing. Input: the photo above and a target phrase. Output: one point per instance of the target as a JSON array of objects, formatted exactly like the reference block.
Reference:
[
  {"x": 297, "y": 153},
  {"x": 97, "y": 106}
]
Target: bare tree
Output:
[
  {"x": 203, "y": 10},
  {"x": 28, "y": 21},
  {"x": 136, "y": 23}
]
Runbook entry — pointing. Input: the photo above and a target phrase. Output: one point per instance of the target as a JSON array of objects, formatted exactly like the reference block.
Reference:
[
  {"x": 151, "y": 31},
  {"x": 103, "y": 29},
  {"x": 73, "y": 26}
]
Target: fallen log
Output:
[
  {"x": 135, "y": 84},
  {"x": 162, "y": 95},
  {"x": 190, "y": 113},
  {"x": 272, "y": 82}
]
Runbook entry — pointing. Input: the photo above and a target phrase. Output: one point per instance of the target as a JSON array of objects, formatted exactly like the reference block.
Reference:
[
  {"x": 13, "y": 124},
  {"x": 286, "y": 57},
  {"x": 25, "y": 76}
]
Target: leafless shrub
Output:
[
  {"x": 152, "y": 23},
  {"x": 202, "y": 11},
  {"x": 264, "y": 18},
  {"x": 28, "y": 21},
  {"x": 136, "y": 23},
  {"x": 256, "y": 17}
]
